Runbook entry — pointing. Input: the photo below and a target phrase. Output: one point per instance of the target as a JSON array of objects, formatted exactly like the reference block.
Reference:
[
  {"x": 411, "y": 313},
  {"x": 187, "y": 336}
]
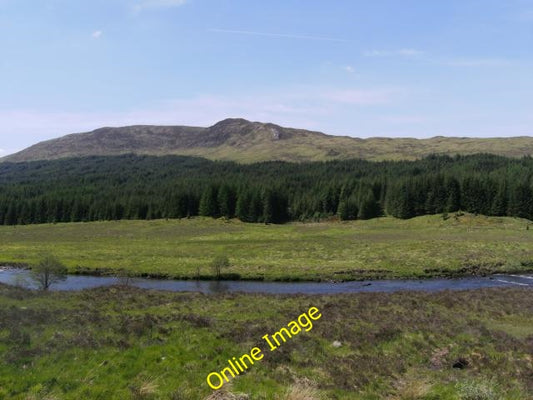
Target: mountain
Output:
[{"x": 245, "y": 141}]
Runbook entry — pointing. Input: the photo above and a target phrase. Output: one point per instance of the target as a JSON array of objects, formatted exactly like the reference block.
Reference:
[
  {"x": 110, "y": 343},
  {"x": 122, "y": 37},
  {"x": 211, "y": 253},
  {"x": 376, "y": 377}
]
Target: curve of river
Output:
[{"x": 79, "y": 282}]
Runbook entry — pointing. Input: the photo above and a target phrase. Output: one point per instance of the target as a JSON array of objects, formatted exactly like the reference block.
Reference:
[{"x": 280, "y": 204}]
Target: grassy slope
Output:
[
  {"x": 374, "y": 149},
  {"x": 384, "y": 247},
  {"x": 125, "y": 343},
  {"x": 321, "y": 149}
]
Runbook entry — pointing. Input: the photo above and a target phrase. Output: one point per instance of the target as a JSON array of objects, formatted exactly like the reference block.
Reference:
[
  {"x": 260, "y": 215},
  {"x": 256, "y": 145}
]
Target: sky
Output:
[{"x": 411, "y": 68}]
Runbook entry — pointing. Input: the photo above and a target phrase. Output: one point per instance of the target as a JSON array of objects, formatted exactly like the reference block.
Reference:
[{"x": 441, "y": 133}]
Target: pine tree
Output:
[
  {"x": 347, "y": 209},
  {"x": 11, "y": 215},
  {"x": 402, "y": 204},
  {"x": 499, "y": 203},
  {"x": 226, "y": 201},
  {"x": 208, "y": 203},
  {"x": 77, "y": 211},
  {"x": 453, "y": 190},
  {"x": 368, "y": 207},
  {"x": 243, "y": 205},
  {"x": 255, "y": 210},
  {"x": 521, "y": 201},
  {"x": 268, "y": 207}
]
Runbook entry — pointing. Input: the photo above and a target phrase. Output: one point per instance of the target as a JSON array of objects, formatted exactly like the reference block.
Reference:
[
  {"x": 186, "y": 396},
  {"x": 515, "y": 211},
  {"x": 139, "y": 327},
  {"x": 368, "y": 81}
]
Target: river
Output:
[{"x": 80, "y": 282}]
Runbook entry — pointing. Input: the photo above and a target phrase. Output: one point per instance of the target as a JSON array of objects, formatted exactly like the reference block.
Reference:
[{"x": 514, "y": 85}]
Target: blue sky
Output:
[{"x": 359, "y": 68}]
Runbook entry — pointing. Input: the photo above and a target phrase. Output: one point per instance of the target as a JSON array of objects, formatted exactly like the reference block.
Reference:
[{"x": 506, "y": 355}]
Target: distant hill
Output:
[{"x": 245, "y": 141}]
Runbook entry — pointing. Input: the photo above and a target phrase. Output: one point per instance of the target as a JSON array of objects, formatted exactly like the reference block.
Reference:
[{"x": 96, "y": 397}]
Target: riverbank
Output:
[
  {"x": 118, "y": 343},
  {"x": 382, "y": 248},
  {"x": 122, "y": 274},
  {"x": 22, "y": 278}
]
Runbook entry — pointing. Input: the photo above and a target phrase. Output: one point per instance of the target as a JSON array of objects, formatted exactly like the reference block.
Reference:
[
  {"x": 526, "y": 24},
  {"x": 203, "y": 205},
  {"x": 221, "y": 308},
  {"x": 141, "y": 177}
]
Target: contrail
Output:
[{"x": 277, "y": 35}]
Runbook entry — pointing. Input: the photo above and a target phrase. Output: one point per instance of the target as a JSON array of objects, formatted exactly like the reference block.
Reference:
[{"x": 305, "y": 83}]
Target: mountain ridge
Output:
[{"x": 237, "y": 139}]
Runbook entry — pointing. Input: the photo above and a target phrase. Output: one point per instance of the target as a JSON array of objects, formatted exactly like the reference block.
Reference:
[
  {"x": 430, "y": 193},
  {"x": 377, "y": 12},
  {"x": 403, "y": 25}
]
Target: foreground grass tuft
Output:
[
  {"x": 478, "y": 390},
  {"x": 301, "y": 392}
]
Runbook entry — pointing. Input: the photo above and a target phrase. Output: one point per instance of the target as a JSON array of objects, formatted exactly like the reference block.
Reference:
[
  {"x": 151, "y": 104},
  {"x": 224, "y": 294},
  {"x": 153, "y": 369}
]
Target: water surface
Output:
[{"x": 80, "y": 282}]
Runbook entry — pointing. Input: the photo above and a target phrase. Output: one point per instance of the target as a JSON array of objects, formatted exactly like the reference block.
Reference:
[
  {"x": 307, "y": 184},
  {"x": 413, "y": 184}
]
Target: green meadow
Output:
[
  {"x": 459, "y": 244},
  {"x": 125, "y": 343}
]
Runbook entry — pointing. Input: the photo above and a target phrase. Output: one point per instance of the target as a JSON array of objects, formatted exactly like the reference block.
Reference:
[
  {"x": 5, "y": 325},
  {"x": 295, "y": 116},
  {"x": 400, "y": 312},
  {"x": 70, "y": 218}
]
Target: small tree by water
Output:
[
  {"x": 49, "y": 271},
  {"x": 218, "y": 264}
]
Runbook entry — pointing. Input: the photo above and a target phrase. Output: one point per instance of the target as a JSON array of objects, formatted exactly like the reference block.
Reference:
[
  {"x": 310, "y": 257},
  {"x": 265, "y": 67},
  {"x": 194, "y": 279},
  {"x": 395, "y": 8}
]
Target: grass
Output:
[
  {"x": 320, "y": 148},
  {"x": 378, "y": 248},
  {"x": 127, "y": 343}
]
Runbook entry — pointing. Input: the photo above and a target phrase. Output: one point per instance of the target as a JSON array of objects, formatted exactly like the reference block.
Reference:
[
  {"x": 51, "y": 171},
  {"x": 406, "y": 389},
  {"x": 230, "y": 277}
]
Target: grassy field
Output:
[
  {"x": 384, "y": 247},
  {"x": 126, "y": 343}
]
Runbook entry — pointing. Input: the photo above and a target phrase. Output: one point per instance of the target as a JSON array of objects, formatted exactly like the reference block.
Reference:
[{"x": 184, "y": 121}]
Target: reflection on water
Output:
[
  {"x": 22, "y": 278},
  {"x": 218, "y": 287}
]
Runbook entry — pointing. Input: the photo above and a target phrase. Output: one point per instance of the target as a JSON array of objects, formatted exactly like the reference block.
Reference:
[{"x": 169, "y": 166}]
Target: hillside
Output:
[{"x": 245, "y": 141}]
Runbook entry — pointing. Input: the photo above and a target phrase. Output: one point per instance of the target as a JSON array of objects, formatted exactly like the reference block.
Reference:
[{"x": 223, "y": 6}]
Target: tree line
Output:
[{"x": 146, "y": 187}]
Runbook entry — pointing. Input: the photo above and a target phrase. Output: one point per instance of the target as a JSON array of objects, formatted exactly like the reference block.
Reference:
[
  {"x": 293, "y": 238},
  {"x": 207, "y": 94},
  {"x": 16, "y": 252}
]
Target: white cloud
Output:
[
  {"x": 391, "y": 53},
  {"x": 349, "y": 69},
  {"x": 96, "y": 34},
  {"x": 299, "y": 106}
]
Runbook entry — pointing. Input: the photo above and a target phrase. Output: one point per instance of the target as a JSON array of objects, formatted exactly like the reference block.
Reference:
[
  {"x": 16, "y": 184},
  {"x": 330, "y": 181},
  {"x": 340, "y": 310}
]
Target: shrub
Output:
[
  {"x": 218, "y": 264},
  {"x": 49, "y": 270}
]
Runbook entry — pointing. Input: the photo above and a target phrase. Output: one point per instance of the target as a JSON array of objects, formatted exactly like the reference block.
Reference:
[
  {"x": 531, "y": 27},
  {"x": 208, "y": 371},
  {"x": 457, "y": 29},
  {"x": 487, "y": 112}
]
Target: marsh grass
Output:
[
  {"x": 302, "y": 392},
  {"x": 127, "y": 343},
  {"x": 478, "y": 390},
  {"x": 378, "y": 248}
]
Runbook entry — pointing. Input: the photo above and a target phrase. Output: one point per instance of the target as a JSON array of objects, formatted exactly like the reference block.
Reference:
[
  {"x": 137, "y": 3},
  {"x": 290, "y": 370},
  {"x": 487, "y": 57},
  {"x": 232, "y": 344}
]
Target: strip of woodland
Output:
[{"x": 146, "y": 187}]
